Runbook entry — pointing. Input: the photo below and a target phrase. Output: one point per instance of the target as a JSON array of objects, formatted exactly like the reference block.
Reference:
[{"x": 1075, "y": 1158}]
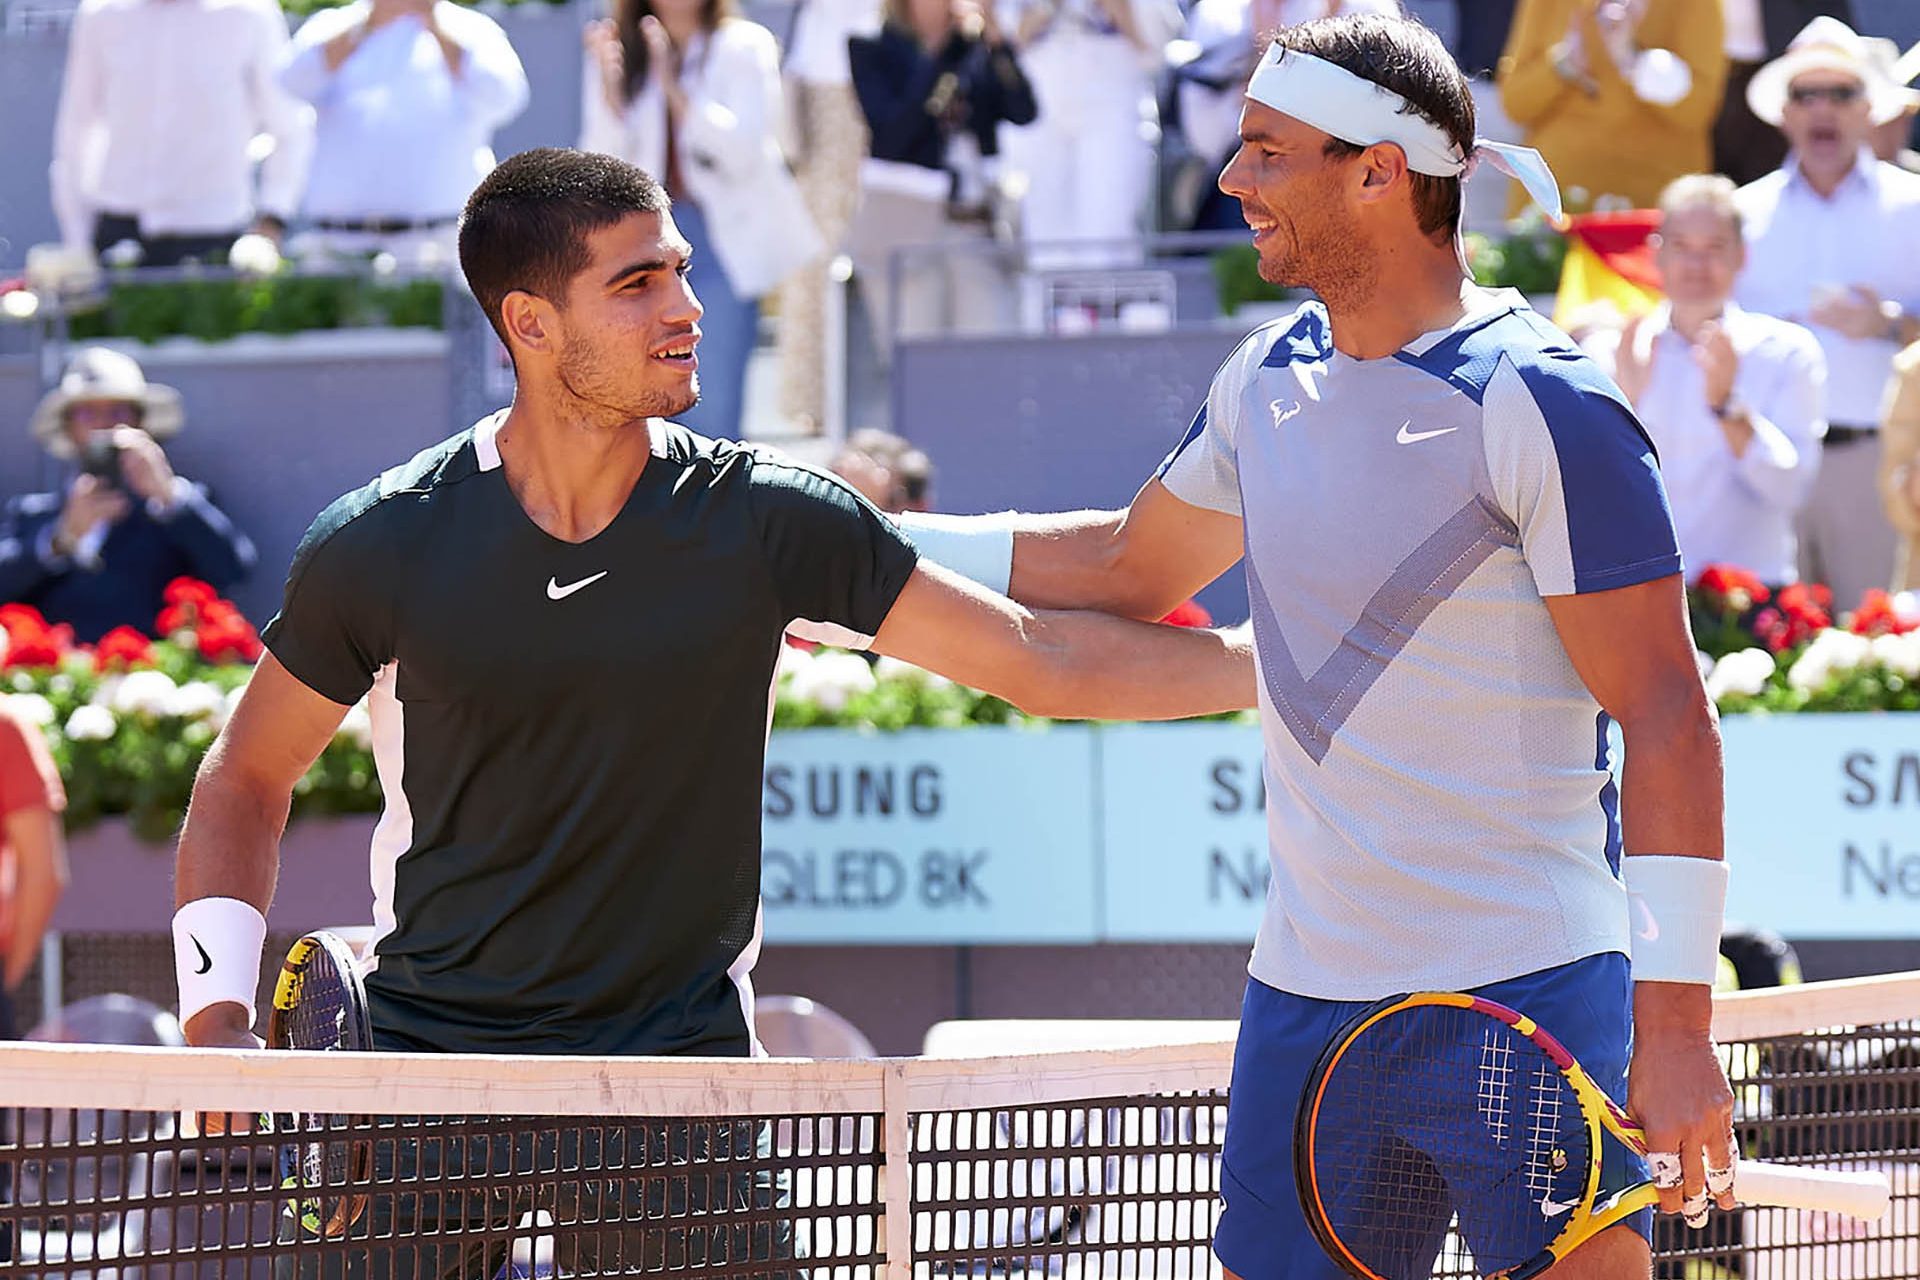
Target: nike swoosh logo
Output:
[
  {"x": 1554, "y": 1208},
  {"x": 1649, "y": 929},
  {"x": 557, "y": 592},
  {"x": 206, "y": 961},
  {"x": 1415, "y": 437}
]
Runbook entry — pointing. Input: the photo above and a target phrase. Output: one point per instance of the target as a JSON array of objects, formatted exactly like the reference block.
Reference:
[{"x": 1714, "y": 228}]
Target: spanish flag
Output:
[{"x": 1609, "y": 260}]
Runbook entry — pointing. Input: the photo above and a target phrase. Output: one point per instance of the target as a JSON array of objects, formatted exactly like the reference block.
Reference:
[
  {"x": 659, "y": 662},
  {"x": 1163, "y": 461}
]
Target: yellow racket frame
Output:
[{"x": 1598, "y": 1110}]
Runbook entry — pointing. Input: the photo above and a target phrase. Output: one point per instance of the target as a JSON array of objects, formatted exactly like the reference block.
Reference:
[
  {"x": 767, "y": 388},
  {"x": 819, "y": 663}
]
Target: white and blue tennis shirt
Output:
[{"x": 1440, "y": 808}]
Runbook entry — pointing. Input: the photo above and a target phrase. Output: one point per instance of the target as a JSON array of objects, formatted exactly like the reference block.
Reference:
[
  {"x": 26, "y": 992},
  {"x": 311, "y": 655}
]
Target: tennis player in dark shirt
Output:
[{"x": 567, "y": 620}]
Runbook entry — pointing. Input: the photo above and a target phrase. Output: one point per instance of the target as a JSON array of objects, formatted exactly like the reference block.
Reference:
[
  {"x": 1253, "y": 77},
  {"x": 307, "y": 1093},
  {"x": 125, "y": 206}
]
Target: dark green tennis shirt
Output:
[{"x": 571, "y": 736}]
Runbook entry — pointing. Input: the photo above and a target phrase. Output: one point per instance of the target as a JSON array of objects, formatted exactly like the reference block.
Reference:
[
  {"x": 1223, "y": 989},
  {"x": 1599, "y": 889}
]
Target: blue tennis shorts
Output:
[{"x": 1587, "y": 1005}]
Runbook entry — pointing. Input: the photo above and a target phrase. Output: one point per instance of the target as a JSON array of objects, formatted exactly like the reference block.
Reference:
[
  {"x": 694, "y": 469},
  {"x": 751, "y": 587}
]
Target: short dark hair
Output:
[
  {"x": 1405, "y": 57},
  {"x": 526, "y": 225}
]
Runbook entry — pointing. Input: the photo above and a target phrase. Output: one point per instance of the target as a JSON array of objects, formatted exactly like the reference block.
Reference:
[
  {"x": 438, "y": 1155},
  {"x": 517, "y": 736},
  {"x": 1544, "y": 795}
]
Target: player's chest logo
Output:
[
  {"x": 1283, "y": 409},
  {"x": 1407, "y": 435},
  {"x": 555, "y": 591}
]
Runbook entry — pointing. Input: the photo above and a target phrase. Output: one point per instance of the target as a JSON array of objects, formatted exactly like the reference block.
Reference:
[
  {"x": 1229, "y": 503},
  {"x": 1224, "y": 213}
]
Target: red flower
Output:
[
  {"x": 1730, "y": 580},
  {"x": 1190, "y": 613},
  {"x": 189, "y": 591},
  {"x": 1806, "y": 605},
  {"x": 15, "y": 618},
  {"x": 1876, "y": 616},
  {"x": 40, "y": 647},
  {"x": 123, "y": 647},
  {"x": 225, "y": 636},
  {"x": 175, "y": 617}
]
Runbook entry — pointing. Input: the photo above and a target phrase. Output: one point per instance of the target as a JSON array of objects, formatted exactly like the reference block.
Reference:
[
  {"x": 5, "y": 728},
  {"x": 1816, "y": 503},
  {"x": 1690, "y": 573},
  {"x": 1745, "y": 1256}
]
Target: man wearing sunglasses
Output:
[{"x": 1833, "y": 242}]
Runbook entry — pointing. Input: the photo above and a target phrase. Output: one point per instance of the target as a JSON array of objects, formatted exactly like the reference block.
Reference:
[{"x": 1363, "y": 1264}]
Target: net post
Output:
[{"x": 896, "y": 1143}]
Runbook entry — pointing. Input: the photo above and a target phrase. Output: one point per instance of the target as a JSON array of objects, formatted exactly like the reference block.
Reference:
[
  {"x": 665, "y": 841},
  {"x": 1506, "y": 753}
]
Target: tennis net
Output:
[{"x": 1100, "y": 1163}]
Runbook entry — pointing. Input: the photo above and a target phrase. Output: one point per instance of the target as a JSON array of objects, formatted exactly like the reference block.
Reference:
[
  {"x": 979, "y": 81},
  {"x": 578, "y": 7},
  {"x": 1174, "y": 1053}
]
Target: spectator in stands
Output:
[
  {"x": 1222, "y": 44},
  {"x": 1900, "y": 466},
  {"x": 934, "y": 85},
  {"x": 1732, "y": 399},
  {"x": 1087, "y": 160},
  {"x": 157, "y": 116},
  {"x": 1618, "y": 95},
  {"x": 887, "y": 470},
  {"x": 99, "y": 554},
  {"x": 1831, "y": 243},
  {"x": 33, "y": 855},
  {"x": 689, "y": 90},
  {"x": 407, "y": 95},
  {"x": 830, "y": 137},
  {"x": 1745, "y": 147}
]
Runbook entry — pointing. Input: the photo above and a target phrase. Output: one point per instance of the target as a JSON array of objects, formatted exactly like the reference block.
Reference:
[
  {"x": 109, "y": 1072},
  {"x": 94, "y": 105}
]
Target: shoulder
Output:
[
  {"x": 1897, "y": 186},
  {"x": 1781, "y": 339},
  {"x": 325, "y": 24},
  {"x": 1305, "y": 334},
  {"x": 1762, "y": 193},
  {"x": 1528, "y": 377},
  {"x": 741, "y": 37},
  {"x": 467, "y": 19},
  {"x": 362, "y": 526}
]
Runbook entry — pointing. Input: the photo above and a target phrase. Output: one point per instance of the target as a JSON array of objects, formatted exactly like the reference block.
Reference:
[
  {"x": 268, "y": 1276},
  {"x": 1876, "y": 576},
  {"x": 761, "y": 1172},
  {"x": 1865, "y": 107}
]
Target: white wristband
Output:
[
  {"x": 217, "y": 945},
  {"x": 1675, "y": 906},
  {"x": 977, "y": 547}
]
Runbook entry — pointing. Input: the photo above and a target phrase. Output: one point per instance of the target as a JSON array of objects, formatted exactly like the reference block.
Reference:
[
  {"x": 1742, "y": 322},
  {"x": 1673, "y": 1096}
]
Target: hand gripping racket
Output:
[
  {"x": 318, "y": 1003},
  {"x": 1438, "y": 1104}
]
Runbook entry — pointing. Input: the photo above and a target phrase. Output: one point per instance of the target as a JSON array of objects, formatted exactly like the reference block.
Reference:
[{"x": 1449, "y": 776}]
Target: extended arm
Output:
[
  {"x": 34, "y": 836},
  {"x": 1634, "y": 651},
  {"x": 1070, "y": 665},
  {"x": 230, "y": 847}
]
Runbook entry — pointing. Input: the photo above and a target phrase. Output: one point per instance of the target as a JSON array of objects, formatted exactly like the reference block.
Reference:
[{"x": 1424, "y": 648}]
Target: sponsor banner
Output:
[
  {"x": 929, "y": 836},
  {"x": 1823, "y": 824},
  {"x": 1156, "y": 833},
  {"x": 1184, "y": 832}
]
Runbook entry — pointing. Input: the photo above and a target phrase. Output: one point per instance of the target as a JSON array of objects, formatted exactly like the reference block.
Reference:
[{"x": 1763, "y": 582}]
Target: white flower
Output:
[
  {"x": 198, "y": 700},
  {"x": 1745, "y": 672},
  {"x": 831, "y": 680},
  {"x": 62, "y": 683},
  {"x": 33, "y": 708},
  {"x": 91, "y": 724},
  {"x": 357, "y": 726},
  {"x": 887, "y": 670},
  {"x": 1832, "y": 651},
  {"x": 142, "y": 693},
  {"x": 255, "y": 254},
  {"x": 22, "y": 682},
  {"x": 1898, "y": 653},
  {"x": 793, "y": 660}
]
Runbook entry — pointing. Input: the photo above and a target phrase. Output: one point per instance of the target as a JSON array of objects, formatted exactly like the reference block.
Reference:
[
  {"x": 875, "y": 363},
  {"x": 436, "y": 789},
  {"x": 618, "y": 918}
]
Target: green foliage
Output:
[
  {"x": 1527, "y": 258},
  {"x": 1236, "y": 270},
  {"x": 219, "y": 308}
]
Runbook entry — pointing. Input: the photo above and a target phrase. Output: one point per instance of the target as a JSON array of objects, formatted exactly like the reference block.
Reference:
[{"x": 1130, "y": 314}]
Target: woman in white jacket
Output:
[{"x": 692, "y": 94}]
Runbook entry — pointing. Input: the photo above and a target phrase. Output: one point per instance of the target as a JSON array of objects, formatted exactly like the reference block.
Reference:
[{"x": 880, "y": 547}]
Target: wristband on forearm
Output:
[
  {"x": 1675, "y": 909},
  {"x": 976, "y": 547},
  {"x": 217, "y": 945}
]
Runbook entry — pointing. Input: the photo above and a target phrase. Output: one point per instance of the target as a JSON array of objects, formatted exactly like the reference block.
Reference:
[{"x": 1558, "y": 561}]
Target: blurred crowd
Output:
[{"x": 1769, "y": 373}]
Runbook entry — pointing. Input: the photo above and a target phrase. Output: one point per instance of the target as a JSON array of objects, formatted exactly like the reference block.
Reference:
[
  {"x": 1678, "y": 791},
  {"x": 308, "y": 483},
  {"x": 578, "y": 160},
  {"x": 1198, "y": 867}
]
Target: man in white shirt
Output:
[
  {"x": 158, "y": 111},
  {"x": 407, "y": 95},
  {"x": 1733, "y": 400},
  {"x": 1833, "y": 241}
]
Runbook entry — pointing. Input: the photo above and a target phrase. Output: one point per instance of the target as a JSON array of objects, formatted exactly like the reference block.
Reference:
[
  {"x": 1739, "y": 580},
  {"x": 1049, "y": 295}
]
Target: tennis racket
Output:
[
  {"x": 1438, "y": 1104},
  {"x": 318, "y": 1003}
]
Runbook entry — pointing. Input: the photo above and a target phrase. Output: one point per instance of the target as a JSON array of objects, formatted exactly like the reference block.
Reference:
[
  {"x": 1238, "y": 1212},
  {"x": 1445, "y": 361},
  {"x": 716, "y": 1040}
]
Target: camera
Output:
[{"x": 101, "y": 457}]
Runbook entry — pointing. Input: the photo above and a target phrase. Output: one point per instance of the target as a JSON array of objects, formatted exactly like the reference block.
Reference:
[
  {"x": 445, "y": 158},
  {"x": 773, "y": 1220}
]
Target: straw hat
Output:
[
  {"x": 1825, "y": 44},
  {"x": 101, "y": 373}
]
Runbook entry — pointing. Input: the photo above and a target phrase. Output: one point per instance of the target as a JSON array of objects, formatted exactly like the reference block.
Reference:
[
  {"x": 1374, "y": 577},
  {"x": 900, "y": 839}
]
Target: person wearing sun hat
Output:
[
  {"x": 99, "y": 552},
  {"x": 1833, "y": 242}
]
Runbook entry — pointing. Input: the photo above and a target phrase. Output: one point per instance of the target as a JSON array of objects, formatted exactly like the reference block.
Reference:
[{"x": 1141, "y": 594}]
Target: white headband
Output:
[{"x": 1334, "y": 100}]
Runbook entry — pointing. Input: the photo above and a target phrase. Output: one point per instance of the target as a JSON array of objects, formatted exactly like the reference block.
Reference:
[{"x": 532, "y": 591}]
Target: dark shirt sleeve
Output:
[
  {"x": 833, "y": 557},
  {"x": 334, "y": 628},
  {"x": 1001, "y": 90},
  {"x": 21, "y": 568}
]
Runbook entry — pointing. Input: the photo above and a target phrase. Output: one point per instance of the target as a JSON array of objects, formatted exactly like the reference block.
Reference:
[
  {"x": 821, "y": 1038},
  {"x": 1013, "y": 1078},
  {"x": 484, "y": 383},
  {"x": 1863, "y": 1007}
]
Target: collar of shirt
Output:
[{"x": 1864, "y": 177}]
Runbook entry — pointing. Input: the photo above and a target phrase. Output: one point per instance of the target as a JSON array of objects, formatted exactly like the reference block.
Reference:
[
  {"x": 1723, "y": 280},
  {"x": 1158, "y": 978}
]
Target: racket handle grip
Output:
[{"x": 1858, "y": 1193}]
